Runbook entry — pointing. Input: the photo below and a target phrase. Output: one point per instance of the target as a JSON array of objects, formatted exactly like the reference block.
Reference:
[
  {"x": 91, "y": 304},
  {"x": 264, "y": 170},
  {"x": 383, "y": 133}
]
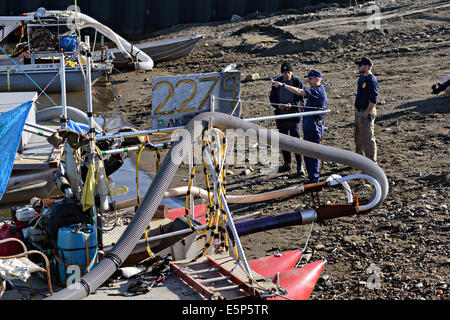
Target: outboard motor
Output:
[
  {"x": 63, "y": 184},
  {"x": 62, "y": 213}
]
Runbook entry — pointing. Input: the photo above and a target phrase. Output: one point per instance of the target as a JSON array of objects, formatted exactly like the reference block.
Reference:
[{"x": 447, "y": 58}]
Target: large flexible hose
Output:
[
  {"x": 145, "y": 61},
  {"x": 155, "y": 193},
  {"x": 73, "y": 114},
  {"x": 202, "y": 193}
]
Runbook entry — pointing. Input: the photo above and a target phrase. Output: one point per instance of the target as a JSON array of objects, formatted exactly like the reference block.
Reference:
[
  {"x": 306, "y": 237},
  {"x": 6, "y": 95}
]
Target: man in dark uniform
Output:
[
  {"x": 286, "y": 102},
  {"x": 365, "y": 110},
  {"x": 313, "y": 126}
]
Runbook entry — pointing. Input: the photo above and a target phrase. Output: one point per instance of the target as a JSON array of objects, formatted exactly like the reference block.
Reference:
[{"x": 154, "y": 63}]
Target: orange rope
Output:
[
  {"x": 88, "y": 263},
  {"x": 87, "y": 250}
]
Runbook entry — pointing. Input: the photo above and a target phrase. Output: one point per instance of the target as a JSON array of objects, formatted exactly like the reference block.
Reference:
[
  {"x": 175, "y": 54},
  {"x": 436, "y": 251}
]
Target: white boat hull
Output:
[{"x": 14, "y": 80}]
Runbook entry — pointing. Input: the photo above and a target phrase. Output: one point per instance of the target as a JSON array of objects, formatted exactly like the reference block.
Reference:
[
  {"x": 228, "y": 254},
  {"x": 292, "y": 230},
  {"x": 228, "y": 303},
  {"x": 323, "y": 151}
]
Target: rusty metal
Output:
[
  {"x": 315, "y": 187},
  {"x": 124, "y": 65},
  {"x": 201, "y": 289},
  {"x": 236, "y": 279},
  {"x": 336, "y": 210}
]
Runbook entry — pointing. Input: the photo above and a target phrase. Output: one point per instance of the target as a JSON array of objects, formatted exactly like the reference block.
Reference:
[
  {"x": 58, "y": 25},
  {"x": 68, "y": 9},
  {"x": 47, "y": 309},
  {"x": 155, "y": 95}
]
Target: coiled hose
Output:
[{"x": 155, "y": 193}]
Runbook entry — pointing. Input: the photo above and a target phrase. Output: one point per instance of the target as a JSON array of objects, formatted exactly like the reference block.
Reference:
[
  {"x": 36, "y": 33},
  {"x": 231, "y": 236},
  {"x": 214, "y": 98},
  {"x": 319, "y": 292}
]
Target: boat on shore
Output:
[
  {"x": 161, "y": 50},
  {"x": 35, "y": 59},
  {"x": 34, "y": 62},
  {"x": 170, "y": 49},
  {"x": 16, "y": 78}
]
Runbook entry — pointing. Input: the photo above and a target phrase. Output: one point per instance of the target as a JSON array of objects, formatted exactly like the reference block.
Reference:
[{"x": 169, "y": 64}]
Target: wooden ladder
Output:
[{"x": 216, "y": 279}]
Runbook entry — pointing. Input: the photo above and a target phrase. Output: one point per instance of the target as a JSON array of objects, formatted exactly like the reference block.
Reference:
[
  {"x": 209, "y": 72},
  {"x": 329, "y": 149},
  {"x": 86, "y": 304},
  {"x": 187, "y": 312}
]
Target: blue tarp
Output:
[
  {"x": 79, "y": 127},
  {"x": 11, "y": 127}
]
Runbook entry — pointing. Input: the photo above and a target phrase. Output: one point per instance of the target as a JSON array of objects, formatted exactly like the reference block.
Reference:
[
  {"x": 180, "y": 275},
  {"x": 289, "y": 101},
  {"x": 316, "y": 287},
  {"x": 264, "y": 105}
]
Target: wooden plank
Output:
[{"x": 38, "y": 154}]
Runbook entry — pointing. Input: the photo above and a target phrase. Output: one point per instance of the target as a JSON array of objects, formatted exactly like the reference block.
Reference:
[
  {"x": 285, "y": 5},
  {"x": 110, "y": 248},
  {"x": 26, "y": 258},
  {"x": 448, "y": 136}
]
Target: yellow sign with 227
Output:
[{"x": 178, "y": 99}]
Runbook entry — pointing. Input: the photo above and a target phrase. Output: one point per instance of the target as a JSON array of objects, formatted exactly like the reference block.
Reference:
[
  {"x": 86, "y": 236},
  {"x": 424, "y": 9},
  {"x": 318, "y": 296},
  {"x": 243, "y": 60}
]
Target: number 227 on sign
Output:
[{"x": 178, "y": 99}]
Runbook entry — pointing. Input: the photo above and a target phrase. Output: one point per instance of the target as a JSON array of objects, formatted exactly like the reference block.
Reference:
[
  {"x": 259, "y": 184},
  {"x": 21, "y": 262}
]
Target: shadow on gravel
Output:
[{"x": 424, "y": 107}]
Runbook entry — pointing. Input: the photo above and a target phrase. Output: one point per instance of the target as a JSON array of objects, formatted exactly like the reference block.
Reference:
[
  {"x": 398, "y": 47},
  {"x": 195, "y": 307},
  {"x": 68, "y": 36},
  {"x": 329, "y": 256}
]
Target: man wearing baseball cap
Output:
[
  {"x": 365, "y": 110},
  {"x": 286, "y": 102},
  {"x": 313, "y": 126}
]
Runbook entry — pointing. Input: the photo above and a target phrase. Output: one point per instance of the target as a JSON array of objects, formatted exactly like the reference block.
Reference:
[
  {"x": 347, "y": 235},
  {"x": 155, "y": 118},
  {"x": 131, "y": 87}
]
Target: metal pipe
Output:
[
  {"x": 89, "y": 99},
  {"x": 91, "y": 127},
  {"x": 34, "y": 125},
  {"x": 275, "y": 222},
  {"x": 63, "y": 92},
  {"x": 34, "y": 131},
  {"x": 376, "y": 196},
  {"x": 121, "y": 150},
  {"x": 347, "y": 188},
  {"x": 134, "y": 133},
  {"x": 289, "y": 115},
  {"x": 150, "y": 131},
  {"x": 16, "y": 18},
  {"x": 19, "y": 181},
  {"x": 184, "y": 231}
]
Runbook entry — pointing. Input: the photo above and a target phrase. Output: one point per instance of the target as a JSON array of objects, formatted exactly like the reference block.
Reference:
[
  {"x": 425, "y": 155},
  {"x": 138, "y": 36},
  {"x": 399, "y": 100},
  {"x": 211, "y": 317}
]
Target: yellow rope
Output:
[
  {"x": 137, "y": 172},
  {"x": 219, "y": 230},
  {"x": 158, "y": 159},
  {"x": 209, "y": 220},
  {"x": 147, "y": 244}
]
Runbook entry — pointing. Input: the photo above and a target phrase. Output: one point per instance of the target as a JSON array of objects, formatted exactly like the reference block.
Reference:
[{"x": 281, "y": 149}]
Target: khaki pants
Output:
[{"x": 365, "y": 143}]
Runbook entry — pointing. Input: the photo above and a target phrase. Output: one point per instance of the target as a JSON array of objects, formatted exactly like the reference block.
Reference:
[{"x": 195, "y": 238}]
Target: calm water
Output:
[{"x": 106, "y": 115}]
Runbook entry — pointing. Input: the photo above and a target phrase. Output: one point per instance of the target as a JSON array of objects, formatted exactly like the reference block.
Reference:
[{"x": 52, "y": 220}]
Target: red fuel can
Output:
[{"x": 13, "y": 247}]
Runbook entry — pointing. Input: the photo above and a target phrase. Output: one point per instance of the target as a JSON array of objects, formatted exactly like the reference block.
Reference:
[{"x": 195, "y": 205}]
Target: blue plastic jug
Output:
[{"x": 77, "y": 246}]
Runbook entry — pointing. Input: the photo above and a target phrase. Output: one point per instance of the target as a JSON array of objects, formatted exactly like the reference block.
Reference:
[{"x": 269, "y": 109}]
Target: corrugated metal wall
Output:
[{"x": 142, "y": 16}]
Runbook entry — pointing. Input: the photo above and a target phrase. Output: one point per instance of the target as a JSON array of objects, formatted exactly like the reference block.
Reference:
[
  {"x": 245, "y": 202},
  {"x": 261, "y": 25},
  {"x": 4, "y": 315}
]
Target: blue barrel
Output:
[{"x": 72, "y": 248}]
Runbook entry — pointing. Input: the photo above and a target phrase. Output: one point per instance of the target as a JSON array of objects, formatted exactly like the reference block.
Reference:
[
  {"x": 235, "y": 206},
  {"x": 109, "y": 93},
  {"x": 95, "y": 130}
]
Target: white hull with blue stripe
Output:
[{"x": 46, "y": 76}]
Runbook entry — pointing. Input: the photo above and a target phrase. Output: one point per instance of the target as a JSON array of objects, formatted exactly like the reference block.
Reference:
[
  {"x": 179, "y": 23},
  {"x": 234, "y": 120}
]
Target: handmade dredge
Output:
[
  {"x": 196, "y": 249},
  {"x": 34, "y": 60}
]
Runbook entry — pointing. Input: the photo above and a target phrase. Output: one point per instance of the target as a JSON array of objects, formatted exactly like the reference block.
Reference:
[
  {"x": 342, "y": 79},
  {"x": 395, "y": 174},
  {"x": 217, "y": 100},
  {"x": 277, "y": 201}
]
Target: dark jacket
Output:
[
  {"x": 275, "y": 96},
  {"x": 317, "y": 98},
  {"x": 367, "y": 92}
]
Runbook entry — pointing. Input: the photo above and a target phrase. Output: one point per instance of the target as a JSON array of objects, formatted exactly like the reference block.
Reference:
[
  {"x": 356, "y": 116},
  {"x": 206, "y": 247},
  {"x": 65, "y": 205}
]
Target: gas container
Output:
[
  {"x": 25, "y": 214},
  {"x": 77, "y": 246},
  {"x": 10, "y": 248}
]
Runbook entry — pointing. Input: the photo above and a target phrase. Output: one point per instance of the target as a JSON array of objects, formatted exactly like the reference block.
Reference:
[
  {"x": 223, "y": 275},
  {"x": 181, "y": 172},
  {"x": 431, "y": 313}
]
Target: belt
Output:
[{"x": 360, "y": 109}]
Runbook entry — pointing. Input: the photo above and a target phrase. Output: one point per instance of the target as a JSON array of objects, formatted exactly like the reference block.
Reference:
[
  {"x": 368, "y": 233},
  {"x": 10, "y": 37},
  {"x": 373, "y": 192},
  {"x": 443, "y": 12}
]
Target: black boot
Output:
[
  {"x": 284, "y": 168},
  {"x": 300, "y": 171}
]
